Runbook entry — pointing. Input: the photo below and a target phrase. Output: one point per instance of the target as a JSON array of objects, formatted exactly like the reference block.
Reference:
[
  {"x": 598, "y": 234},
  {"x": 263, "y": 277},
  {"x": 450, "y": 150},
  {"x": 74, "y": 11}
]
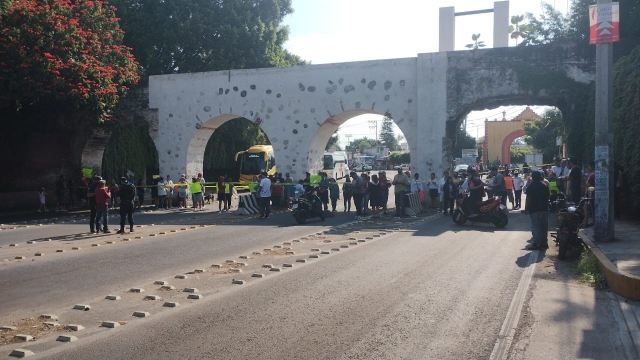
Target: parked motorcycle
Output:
[
  {"x": 490, "y": 211},
  {"x": 570, "y": 218},
  {"x": 307, "y": 206}
]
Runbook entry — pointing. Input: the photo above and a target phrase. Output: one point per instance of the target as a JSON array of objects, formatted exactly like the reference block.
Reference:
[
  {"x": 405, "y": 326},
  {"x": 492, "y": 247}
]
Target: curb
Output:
[{"x": 620, "y": 282}]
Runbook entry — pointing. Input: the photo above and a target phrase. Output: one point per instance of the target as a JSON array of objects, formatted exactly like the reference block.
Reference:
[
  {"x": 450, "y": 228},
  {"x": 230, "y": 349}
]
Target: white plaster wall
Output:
[
  {"x": 432, "y": 114},
  {"x": 300, "y": 107}
]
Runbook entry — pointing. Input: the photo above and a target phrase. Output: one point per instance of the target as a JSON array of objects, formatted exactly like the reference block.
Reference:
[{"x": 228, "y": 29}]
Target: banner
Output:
[{"x": 604, "y": 22}]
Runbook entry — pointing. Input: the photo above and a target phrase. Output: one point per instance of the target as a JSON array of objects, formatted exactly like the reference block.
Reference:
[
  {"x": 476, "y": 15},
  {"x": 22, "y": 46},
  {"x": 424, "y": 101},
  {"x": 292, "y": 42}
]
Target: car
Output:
[
  {"x": 461, "y": 169},
  {"x": 403, "y": 167}
]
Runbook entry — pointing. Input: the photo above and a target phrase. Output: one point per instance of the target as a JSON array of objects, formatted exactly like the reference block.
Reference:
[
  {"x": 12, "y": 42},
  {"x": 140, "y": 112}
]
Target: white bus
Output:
[{"x": 335, "y": 164}]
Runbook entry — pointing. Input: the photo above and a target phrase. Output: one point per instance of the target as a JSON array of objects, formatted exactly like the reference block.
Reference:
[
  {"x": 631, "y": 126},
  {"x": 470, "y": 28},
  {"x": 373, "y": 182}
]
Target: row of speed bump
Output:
[{"x": 193, "y": 292}]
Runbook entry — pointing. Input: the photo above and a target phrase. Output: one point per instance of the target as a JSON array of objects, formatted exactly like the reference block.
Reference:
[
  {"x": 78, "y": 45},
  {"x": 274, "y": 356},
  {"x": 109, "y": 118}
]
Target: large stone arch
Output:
[
  {"x": 506, "y": 145},
  {"x": 329, "y": 127}
]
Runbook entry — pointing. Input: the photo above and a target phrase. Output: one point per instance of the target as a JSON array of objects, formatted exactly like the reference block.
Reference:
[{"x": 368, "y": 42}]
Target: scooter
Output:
[
  {"x": 307, "y": 206},
  {"x": 489, "y": 211},
  {"x": 570, "y": 218}
]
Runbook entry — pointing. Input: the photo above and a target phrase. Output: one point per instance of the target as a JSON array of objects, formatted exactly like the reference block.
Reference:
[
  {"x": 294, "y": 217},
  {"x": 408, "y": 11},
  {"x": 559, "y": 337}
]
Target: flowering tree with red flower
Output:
[{"x": 67, "y": 52}]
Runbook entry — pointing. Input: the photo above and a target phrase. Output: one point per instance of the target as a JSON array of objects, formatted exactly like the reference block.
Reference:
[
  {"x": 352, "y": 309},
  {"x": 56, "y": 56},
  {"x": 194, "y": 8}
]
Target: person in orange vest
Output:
[{"x": 508, "y": 182}]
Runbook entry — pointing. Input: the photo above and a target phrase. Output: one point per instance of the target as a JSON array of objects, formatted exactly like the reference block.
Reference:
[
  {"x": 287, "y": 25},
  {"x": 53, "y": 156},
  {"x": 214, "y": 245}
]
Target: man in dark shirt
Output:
[
  {"x": 575, "y": 181},
  {"x": 127, "y": 193},
  {"x": 537, "y": 206},
  {"x": 91, "y": 198}
]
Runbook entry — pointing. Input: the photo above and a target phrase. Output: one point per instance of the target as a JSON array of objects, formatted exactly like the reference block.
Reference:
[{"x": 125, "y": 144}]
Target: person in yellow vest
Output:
[{"x": 195, "y": 188}]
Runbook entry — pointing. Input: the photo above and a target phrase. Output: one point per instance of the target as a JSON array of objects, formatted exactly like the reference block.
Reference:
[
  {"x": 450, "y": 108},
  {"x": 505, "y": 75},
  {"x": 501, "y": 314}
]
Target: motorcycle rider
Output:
[{"x": 476, "y": 190}]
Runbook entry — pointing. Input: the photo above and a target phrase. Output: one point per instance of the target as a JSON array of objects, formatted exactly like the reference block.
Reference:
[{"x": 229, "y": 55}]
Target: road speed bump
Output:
[
  {"x": 152, "y": 297},
  {"x": 141, "y": 314},
  {"x": 66, "y": 338},
  {"x": 110, "y": 242},
  {"x": 199, "y": 271},
  {"x": 344, "y": 246},
  {"x": 287, "y": 265},
  {"x": 195, "y": 296},
  {"x": 267, "y": 266},
  {"x": 258, "y": 275},
  {"x": 181, "y": 276},
  {"x": 39, "y": 254},
  {"x": 136, "y": 290},
  {"x": 301, "y": 260},
  {"x": 30, "y": 242},
  {"x": 81, "y": 307},
  {"x": 49, "y": 317},
  {"x": 168, "y": 287},
  {"x": 110, "y": 324},
  {"x": 171, "y": 304},
  {"x": 95, "y": 245},
  {"x": 113, "y": 297},
  {"x": 190, "y": 290},
  {"x": 245, "y": 257},
  {"x": 24, "y": 337},
  {"x": 160, "y": 282},
  {"x": 230, "y": 261},
  {"x": 21, "y": 353},
  {"x": 237, "y": 282},
  {"x": 20, "y": 257},
  {"x": 74, "y": 327},
  {"x": 315, "y": 249},
  {"x": 325, "y": 252},
  {"x": 13, "y": 245},
  {"x": 76, "y": 248}
]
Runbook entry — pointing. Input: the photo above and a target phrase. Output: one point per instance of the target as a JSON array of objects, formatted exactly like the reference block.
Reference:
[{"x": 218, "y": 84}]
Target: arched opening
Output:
[
  {"x": 213, "y": 148},
  {"x": 506, "y": 144},
  {"x": 368, "y": 140}
]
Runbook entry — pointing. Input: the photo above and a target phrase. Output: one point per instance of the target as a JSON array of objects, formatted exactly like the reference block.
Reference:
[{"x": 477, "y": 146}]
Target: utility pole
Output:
[
  {"x": 373, "y": 124},
  {"x": 603, "y": 227}
]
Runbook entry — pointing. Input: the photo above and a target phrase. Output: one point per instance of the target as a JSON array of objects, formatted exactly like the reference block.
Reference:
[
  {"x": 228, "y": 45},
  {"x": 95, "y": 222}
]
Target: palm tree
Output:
[{"x": 476, "y": 43}]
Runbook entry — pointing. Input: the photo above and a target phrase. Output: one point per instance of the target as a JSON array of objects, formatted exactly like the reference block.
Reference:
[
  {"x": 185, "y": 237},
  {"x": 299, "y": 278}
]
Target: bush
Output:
[{"x": 588, "y": 271}]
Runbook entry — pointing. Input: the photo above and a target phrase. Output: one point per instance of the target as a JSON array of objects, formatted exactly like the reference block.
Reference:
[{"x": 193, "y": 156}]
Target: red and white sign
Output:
[{"x": 604, "y": 20}]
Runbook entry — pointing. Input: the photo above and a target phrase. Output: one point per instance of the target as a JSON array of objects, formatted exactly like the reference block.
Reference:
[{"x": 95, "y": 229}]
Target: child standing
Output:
[
  {"x": 334, "y": 193},
  {"x": 43, "y": 205}
]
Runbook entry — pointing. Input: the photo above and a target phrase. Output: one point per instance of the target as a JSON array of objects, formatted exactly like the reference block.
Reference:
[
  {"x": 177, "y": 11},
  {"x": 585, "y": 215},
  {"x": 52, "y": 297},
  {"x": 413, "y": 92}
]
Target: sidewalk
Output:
[{"x": 619, "y": 260}]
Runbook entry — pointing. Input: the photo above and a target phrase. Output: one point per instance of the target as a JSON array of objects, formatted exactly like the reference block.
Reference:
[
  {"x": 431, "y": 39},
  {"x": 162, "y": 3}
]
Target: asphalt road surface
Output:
[{"x": 417, "y": 288}]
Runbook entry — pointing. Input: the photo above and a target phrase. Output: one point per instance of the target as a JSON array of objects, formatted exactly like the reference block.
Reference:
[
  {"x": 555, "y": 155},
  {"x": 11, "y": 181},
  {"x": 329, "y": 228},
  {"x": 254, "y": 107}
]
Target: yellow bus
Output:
[{"x": 255, "y": 160}]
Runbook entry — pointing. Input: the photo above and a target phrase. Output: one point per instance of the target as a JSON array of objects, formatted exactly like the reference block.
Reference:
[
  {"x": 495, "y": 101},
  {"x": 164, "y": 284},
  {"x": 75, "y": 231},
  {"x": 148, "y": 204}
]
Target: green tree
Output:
[
  {"x": 179, "y": 36},
  {"x": 231, "y": 137},
  {"x": 63, "y": 54},
  {"x": 626, "y": 85},
  {"x": 387, "y": 137},
  {"x": 333, "y": 141},
  {"x": 551, "y": 26},
  {"x": 542, "y": 133},
  {"x": 518, "y": 154},
  {"x": 358, "y": 145},
  {"x": 518, "y": 30},
  {"x": 129, "y": 148},
  {"x": 398, "y": 157},
  {"x": 476, "y": 42},
  {"x": 463, "y": 141}
]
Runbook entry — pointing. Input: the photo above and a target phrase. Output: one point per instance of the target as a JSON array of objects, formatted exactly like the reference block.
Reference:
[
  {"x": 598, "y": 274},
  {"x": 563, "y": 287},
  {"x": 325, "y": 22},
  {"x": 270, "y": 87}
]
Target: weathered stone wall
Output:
[{"x": 299, "y": 108}]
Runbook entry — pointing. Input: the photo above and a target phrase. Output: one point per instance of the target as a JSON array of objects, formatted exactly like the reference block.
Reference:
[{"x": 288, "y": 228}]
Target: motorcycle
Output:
[
  {"x": 489, "y": 211},
  {"x": 570, "y": 218},
  {"x": 307, "y": 206}
]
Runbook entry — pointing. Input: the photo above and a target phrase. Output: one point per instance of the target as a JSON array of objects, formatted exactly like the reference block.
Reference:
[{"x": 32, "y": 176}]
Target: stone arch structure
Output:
[
  {"x": 300, "y": 107},
  {"x": 506, "y": 145}
]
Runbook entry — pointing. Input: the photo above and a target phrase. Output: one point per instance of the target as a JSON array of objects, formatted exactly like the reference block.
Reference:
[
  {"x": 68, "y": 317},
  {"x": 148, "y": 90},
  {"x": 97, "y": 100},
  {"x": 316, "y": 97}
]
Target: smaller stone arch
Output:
[
  {"x": 93, "y": 151},
  {"x": 198, "y": 142},
  {"x": 506, "y": 144}
]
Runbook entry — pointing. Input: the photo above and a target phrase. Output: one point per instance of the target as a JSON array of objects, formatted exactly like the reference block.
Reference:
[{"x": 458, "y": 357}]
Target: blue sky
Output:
[{"x": 329, "y": 31}]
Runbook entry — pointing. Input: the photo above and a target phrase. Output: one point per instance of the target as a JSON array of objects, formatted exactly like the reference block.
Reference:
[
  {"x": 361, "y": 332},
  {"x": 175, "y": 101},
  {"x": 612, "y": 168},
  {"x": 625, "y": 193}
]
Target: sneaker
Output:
[
  {"x": 544, "y": 246},
  {"x": 106, "y": 231},
  {"x": 130, "y": 230},
  {"x": 121, "y": 231}
]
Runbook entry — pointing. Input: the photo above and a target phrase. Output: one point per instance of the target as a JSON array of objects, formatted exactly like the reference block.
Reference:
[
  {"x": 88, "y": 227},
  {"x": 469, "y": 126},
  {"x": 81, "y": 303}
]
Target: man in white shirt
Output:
[
  {"x": 264, "y": 194},
  {"x": 518, "y": 184},
  {"x": 169, "y": 187},
  {"x": 162, "y": 193}
]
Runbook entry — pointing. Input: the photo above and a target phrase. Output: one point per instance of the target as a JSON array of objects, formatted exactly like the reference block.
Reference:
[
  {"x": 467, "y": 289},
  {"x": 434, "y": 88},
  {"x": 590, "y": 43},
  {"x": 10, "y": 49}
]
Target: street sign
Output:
[{"x": 604, "y": 21}]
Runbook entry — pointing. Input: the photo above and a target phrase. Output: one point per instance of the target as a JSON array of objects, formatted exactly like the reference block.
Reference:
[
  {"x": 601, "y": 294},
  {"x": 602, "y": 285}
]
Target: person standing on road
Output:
[
  {"x": 127, "y": 194},
  {"x": 102, "y": 206},
  {"x": 443, "y": 180},
  {"x": 346, "y": 194},
  {"x": 537, "y": 206},
  {"x": 264, "y": 193},
  {"x": 162, "y": 192},
  {"x": 169, "y": 190},
  {"x": 61, "y": 193},
  {"x": 385, "y": 184},
  {"x": 432, "y": 185},
  {"x": 222, "y": 195},
  {"x": 334, "y": 193},
  {"x": 195, "y": 188},
  {"x": 182, "y": 193},
  {"x": 323, "y": 190},
  {"x": 499, "y": 188},
  {"x": 230, "y": 192},
  {"x": 375, "y": 195},
  {"x": 518, "y": 184},
  {"x": 400, "y": 181},
  {"x": 91, "y": 198},
  {"x": 357, "y": 190},
  {"x": 450, "y": 191}
]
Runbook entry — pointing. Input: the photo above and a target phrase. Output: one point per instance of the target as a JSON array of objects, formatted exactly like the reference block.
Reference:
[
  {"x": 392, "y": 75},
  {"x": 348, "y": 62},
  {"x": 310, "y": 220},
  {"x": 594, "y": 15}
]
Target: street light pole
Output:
[{"x": 603, "y": 215}]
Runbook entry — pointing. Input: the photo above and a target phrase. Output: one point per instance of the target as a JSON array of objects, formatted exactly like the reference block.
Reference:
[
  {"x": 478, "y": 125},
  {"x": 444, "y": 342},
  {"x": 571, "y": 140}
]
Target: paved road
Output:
[{"x": 430, "y": 291}]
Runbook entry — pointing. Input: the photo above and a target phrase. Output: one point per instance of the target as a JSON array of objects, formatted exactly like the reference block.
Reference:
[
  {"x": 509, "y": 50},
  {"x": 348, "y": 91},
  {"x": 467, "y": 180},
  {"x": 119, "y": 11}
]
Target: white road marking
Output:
[{"x": 501, "y": 348}]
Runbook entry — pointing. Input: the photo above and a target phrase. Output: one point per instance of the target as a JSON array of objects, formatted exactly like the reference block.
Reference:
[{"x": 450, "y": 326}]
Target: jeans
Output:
[
  {"x": 365, "y": 202},
  {"x": 518, "y": 198},
  {"x": 347, "y": 202},
  {"x": 357, "y": 201},
  {"x": 161, "y": 200},
  {"x": 102, "y": 213},
  {"x": 539, "y": 226},
  {"x": 126, "y": 210},
  {"x": 92, "y": 215},
  {"x": 400, "y": 203},
  {"x": 265, "y": 206}
]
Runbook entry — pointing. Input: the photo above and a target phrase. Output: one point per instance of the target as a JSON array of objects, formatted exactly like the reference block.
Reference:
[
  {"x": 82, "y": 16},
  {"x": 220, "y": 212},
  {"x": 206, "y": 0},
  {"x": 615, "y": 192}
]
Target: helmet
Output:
[{"x": 97, "y": 177}]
